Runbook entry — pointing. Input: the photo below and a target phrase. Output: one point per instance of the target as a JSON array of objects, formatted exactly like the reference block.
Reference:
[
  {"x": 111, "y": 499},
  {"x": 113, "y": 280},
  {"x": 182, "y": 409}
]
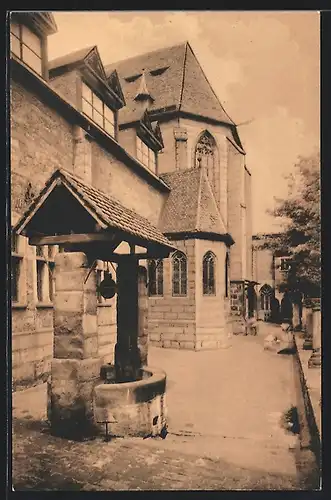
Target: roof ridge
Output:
[
  {"x": 145, "y": 54},
  {"x": 213, "y": 91},
  {"x": 179, "y": 172},
  {"x": 183, "y": 79}
]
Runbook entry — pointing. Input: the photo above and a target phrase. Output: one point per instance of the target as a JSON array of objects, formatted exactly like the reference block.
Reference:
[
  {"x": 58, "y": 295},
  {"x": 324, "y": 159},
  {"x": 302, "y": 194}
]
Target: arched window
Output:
[
  {"x": 155, "y": 278},
  {"x": 208, "y": 274},
  {"x": 266, "y": 294},
  {"x": 179, "y": 274},
  {"x": 205, "y": 155}
]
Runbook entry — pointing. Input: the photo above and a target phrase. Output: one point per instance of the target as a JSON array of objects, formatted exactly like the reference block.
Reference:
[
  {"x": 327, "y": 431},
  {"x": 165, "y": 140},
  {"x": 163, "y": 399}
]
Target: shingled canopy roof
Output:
[
  {"x": 174, "y": 78},
  {"x": 67, "y": 205},
  {"x": 191, "y": 207}
]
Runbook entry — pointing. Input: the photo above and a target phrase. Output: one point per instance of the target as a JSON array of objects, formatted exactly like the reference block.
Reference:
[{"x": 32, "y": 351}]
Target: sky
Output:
[{"x": 263, "y": 66}]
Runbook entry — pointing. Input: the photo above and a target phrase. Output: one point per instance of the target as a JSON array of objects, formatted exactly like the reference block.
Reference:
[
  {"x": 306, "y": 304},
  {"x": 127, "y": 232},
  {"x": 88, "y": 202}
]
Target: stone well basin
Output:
[{"x": 132, "y": 408}]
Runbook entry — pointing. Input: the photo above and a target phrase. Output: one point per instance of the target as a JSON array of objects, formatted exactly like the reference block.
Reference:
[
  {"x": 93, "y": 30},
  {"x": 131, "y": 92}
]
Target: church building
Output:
[{"x": 145, "y": 145}]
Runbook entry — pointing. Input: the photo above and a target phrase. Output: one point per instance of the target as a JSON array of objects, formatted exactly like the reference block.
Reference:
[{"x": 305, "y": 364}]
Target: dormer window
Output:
[
  {"x": 27, "y": 46},
  {"x": 146, "y": 155},
  {"x": 97, "y": 110}
]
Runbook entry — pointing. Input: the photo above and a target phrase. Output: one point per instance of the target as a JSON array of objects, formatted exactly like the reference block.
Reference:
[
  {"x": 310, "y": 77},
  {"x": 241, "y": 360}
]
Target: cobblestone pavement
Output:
[{"x": 224, "y": 414}]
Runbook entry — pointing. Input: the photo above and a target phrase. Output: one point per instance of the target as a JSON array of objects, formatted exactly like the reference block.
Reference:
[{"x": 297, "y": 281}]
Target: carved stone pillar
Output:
[
  {"x": 315, "y": 359},
  {"x": 76, "y": 366},
  {"x": 142, "y": 316}
]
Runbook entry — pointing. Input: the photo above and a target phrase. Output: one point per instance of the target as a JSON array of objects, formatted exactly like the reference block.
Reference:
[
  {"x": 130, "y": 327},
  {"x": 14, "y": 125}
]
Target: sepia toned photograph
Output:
[{"x": 164, "y": 280}]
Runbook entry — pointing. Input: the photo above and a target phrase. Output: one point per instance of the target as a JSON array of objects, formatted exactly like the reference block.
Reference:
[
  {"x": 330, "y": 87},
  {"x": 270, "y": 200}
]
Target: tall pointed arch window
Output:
[
  {"x": 179, "y": 274},
  {"x": 205, "y": 152},
  {"x": 209, "y": 274},
  {"x": 155, "y": 278}
]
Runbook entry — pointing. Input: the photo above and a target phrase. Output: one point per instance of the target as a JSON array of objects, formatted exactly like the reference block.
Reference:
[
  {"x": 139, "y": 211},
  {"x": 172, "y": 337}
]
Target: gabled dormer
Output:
[
  {"x": 97, "y": 96},
  {"x": 28, "y": 39},
  {"x": 148, "y": 142}
]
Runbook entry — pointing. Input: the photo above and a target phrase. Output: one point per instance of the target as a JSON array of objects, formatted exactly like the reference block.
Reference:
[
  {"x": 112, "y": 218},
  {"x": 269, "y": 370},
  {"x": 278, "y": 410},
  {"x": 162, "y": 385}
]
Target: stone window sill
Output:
[
  {"x": 19, "y": 305},
  {"x": 44, "y": 305}
]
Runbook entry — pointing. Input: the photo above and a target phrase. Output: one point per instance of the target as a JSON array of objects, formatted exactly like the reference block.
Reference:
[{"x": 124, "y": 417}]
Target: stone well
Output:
[
  {"x": 132, "y": 408},
  {"x": 79, "y": 401}
]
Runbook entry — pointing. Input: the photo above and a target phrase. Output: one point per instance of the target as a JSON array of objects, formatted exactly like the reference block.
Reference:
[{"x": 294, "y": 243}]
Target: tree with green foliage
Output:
[{"x": 301, "y": 215}]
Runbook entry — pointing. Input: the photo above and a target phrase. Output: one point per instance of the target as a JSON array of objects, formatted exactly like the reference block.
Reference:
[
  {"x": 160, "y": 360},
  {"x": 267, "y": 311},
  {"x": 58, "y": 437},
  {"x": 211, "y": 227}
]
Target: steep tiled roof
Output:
[
  {"x": 191, "y": 206},
  {"x": 111, "y": 213},
  {"x": 175, "y": 80},
  {"x": 73, "y": 57}
]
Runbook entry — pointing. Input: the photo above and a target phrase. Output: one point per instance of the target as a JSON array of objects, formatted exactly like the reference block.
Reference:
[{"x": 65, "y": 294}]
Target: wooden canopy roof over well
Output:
[{"x": 79, "y": 217}]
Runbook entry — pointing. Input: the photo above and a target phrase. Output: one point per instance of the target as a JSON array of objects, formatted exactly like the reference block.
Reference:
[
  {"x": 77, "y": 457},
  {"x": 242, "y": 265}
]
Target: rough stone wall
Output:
[
  {"x": 172, "y": 320},
  {"x": 211, "y": 330},
  {"x": 235, "y": 210},
  {"x": 249, "y": 241},
  {"x": 167, "y": 159},
  {"x": 41, "y": 142},
  {"x": 107, "y": 330},
  {"x": 66, "y": 86},
  {"x": 119, "y": 181},
  {"x": 127, "y": 139}
]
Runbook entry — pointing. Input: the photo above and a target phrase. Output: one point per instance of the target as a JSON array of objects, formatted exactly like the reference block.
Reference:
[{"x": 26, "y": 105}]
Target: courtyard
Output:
[{"x": 226, "y": 430}]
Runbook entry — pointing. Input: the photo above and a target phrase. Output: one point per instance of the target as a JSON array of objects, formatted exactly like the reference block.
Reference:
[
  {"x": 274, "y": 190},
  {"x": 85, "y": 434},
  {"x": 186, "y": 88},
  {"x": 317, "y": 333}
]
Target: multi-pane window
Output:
[
  {"x": 17, "y": 256},
  {"x": 146, "y": 155},
  {"x": 26, "y": 45},
  {"x": 96, "y": 109},
  {"x": 155, "y": 277},
  {"x": 179, "y": 274},
  {"x": 45, "y": 273},
  {"x": 208, "y": 274}
]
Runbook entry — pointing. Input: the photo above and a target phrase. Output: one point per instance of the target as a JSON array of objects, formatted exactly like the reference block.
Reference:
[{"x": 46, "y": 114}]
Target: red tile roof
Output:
[
  {"x": 174, "y": 78},
  {"x": 191, "y": 206}
]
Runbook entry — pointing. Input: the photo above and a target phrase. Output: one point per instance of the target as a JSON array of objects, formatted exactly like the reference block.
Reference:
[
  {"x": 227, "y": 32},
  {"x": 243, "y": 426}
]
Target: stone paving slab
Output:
[{"x": 225, "y": 432}]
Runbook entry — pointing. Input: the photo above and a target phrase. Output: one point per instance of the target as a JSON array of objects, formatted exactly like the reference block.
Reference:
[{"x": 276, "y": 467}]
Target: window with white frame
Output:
[
  {"x": 155, "y": 278},
  {"x": 146, "y": 155},
  {"x": 179, "y": 274},
  {"x": 45, "y": 272},
  {"x": 97, "y": 110},
  {"x": 17, "y": 270},
  {"x": 208, "y": 274},
  {"x": 26, "y": 45}
]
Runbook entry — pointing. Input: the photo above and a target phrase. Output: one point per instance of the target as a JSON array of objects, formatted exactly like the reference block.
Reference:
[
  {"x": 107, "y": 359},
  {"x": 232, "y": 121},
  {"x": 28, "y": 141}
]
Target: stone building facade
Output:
[
  {"x": 150, "y": 133},
  {"x": 270, "y": 271}
]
